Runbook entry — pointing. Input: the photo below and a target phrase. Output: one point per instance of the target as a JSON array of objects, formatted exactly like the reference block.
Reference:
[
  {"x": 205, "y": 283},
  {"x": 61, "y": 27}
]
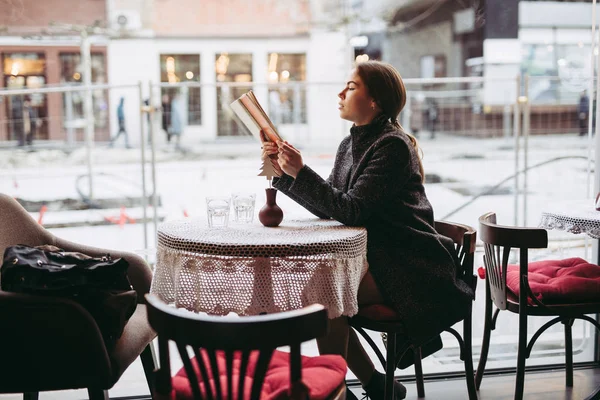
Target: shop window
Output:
[
  {"x": 234, "y": 78},
  {"x": 177, "y": 69},
  {"x": 71, "y": 73},
  {"x": 287, "y": 89},
  {"x": 26, "y": 71}
]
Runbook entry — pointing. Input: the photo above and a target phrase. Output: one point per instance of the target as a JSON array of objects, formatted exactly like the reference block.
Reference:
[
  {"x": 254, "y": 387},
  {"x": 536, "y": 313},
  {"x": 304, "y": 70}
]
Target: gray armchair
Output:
[{"x": 55, "y": 344}]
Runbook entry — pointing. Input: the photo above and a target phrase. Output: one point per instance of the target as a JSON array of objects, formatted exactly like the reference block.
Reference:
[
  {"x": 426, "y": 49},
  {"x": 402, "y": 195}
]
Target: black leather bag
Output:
[{"x": 100, "y": 285}]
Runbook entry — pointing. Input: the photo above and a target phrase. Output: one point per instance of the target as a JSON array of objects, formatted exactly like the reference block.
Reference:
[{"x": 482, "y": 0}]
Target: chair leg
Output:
[
  {"x": 467, "y": 353},
  {"x": 521, "y": 353},
  {"x": 419, "y": 372},
  {"x": 149, "y": 363},
  {"x": 487, "y": 332},
  {"x": 568, "y": 351},
  {"x": 31, "y": 396},
  {"x": 98, "y": 394},
  {"x": 390, "y": 366}
]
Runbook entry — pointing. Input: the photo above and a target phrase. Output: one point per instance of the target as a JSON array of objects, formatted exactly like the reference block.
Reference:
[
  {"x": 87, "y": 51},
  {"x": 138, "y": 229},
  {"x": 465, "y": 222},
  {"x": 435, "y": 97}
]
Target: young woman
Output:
[{"x": 377, "y": 182}]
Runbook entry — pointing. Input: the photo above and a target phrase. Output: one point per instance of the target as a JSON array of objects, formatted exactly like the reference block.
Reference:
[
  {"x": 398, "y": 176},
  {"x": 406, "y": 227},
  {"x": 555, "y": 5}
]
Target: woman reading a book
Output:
[{"x": 377, "y": 182}]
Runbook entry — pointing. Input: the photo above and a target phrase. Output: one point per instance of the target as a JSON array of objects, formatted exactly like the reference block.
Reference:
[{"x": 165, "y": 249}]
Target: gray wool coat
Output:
[{"x": 376, "y": 183}]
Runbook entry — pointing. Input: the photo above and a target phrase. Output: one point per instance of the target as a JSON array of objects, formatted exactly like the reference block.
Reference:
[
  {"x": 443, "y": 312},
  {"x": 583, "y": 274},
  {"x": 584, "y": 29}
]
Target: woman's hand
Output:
[
  {"x": 290, "y": 159},
  {"x": 270, "y": 151}
]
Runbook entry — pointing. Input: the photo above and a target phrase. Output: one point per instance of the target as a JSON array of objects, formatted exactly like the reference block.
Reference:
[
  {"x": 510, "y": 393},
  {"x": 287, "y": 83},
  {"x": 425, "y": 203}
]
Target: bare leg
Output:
[{"x": 336, "y": 340}]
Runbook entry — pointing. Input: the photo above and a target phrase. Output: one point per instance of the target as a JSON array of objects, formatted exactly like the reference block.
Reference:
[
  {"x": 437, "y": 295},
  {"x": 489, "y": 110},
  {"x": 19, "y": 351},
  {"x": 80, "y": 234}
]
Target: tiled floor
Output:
[{"x": 538, "y": 386}]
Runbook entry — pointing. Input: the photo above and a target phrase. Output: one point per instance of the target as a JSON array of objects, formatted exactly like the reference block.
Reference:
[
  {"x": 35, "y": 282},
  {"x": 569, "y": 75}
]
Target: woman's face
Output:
[{"x": 356, "y": 105}]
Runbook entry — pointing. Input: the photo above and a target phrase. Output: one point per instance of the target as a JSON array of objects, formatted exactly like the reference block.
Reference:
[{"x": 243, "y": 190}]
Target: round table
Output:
[
  {"x": 575, "y": 217},
  {"x": 250, "y": 269}
]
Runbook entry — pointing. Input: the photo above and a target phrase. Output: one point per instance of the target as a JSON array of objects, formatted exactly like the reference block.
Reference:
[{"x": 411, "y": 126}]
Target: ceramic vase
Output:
[{"x": 270, "y": 215}]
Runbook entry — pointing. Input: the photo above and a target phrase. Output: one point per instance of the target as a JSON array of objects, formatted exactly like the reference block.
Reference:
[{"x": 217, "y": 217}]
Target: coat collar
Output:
[{"x": 364, "y": 136}]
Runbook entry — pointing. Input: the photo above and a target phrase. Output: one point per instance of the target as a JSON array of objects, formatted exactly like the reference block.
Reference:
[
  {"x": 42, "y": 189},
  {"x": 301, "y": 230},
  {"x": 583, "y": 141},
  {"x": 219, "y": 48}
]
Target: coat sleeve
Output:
[
  {"x": 384, "y": 174},
  {"x": 283, "y": 185}
]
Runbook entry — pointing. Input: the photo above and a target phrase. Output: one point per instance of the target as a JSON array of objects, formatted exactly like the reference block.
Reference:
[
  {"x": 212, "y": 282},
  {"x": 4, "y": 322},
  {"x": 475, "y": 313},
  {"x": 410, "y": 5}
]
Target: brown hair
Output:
[{"x": 386, "y": 87}]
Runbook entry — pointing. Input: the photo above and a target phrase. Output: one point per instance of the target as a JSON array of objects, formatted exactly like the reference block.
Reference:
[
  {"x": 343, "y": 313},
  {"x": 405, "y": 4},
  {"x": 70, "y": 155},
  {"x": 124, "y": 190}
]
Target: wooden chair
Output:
[
  {"x": 498, "y": 241},
  {"x": 241, "y": 351},
  {"x": 54, "y": 343},
  {"x": 464, "y": 238}
]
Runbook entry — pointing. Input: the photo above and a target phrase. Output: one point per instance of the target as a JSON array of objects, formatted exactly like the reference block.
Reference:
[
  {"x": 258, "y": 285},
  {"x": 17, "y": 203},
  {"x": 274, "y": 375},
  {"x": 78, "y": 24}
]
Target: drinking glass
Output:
[
  {"x": 243, "y": 207},
  {"x": 217, "y": 210}
]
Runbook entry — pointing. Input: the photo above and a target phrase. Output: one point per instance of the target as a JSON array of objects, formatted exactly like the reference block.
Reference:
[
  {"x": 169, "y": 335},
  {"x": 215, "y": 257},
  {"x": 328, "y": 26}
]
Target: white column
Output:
[{"x": 208, "y": 104}]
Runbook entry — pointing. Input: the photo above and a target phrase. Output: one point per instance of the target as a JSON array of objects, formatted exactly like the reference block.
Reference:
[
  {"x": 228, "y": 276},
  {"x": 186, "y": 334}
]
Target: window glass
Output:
[
  {"x": 26, "y": 71},
  {"x": 233, "y": 71},
  {"x": 180, "y": 68},
  {"x": 287, "y": 91},
  {"x": 71, "y": 72}
]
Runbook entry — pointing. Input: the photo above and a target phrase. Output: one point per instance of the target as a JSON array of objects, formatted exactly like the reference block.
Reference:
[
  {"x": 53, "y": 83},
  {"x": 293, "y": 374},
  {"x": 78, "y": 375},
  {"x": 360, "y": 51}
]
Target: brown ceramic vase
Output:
[{"x": 270, "y": 215}]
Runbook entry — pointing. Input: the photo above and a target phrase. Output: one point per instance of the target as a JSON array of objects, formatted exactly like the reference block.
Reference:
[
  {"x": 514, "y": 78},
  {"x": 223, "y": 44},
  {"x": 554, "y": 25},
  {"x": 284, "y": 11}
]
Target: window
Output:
[
  {"x": 433, "y": 66},
  {"x": 179, "y": 68},
  {"x": 25, "y": 71},
  {"x": 569, "y": 67},
  {"x": 71, "y": 71},
  {"x": 235, "y": 69},
  {"x": 287, "y": 91}
]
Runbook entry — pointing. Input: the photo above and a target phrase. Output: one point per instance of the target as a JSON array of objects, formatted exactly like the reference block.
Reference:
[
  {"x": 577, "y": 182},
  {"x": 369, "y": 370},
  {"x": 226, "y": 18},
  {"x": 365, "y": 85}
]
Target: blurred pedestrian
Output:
[
  {"x": 30, "y": 122},
  {"x": 432, "y": 116},
  {"x": 176, "y": 126},
  {"x": 583, "y": 110},
  {"x": 166, "y": 115},
  {"x": 121, "y": 121}
]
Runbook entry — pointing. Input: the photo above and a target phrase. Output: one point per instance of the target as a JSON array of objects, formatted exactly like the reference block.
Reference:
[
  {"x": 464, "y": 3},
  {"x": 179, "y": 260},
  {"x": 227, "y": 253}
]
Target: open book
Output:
[{"x": 250, "y": 112}]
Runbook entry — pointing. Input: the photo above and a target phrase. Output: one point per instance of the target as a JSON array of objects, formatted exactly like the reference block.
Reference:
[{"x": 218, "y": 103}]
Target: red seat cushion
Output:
[
  {"x": 321, "y": 375},
  {"x": 378, "y": 312},
  {"x": 568, "y": 281}
]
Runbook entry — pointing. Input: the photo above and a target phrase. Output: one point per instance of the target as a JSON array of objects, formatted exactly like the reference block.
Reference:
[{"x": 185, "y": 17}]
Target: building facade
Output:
[
  {"x": 501, "y": 41},
  {"x": 191, "y": 58}
]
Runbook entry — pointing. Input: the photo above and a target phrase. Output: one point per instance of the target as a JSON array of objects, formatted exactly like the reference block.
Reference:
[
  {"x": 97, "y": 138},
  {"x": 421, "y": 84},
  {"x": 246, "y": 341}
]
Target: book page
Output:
[
  {"x": 244, "y": 116},
  {"x": 259, "y": 116}
]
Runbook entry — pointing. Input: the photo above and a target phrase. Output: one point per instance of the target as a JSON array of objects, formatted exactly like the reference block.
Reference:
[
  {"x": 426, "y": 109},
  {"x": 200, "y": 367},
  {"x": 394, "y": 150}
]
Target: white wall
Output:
[
  {"x": 502, "y": 59},
  {"x": 130, "y": 62}
]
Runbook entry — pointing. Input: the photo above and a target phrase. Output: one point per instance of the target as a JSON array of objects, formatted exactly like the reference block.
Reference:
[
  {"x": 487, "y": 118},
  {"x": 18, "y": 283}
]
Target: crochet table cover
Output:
[
  {"x": 250, "y": 269},
  {"x": 575, "y": 217}
]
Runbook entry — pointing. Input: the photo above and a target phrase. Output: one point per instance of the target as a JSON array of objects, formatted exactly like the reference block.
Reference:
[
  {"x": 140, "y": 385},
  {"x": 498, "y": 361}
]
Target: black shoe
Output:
[{"x": 375, "y": 389}]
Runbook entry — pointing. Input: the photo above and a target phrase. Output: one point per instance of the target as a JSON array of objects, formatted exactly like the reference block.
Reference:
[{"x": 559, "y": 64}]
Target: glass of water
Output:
[
  {"x": 243, "y": 207},
  {"x": 217, "y": 210}
]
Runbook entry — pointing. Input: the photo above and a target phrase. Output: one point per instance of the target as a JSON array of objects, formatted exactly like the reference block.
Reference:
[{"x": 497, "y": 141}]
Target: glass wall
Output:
[
  {"x": 27, "y": 114},
  {"x": 71, "y": 71},
  {"x": 178, "y": 68},
  {"x": 569, "y": 65},
  {"x": 287, "y": 98},
  {"x": 235, "y": 68}
]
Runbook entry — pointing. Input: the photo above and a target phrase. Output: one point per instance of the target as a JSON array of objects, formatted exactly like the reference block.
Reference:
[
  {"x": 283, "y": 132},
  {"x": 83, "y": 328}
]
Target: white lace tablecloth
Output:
[
  {"x": 249, "y": 269},
  {"x": 575, "y": 217}
]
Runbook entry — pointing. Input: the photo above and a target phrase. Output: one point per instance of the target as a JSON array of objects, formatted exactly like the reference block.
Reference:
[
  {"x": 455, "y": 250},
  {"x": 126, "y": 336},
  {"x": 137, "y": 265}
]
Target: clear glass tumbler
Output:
[
  {"x": 243, "y": 207},
  {"x": 217, "y": 210}
]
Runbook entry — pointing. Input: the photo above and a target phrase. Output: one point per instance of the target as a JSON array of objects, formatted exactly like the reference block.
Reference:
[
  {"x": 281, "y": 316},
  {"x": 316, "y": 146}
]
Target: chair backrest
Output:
[
  {"x": 242, "y": 338},
  {"x": 498, "y": 241},
  {"x": 465, "y": 240}
]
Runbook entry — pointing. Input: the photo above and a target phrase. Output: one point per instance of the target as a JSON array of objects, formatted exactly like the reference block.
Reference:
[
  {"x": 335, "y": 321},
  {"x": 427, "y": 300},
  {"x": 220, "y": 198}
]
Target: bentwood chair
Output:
[
  {"x": 236, "y": 357},
  {"x": 381, "y": 318},
  {"x": 564, "y": 289},
  {"x": 54, "y": 343}
]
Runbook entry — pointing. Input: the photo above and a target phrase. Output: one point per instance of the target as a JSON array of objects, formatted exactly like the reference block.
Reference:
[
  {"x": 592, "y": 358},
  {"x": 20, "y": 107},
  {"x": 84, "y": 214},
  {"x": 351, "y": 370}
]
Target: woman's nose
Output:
[{"x": 341, "y": 95}]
